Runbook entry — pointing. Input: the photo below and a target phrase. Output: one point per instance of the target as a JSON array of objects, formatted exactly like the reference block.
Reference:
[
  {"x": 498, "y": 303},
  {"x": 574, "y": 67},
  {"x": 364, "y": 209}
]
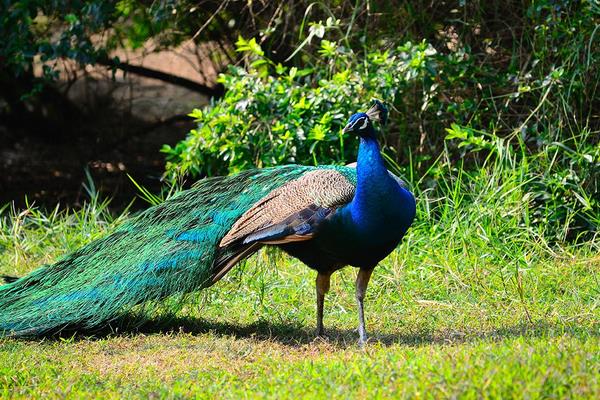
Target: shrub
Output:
[
  {"x": 524, "y": 101},
  {"x": 271, "y": 114}
]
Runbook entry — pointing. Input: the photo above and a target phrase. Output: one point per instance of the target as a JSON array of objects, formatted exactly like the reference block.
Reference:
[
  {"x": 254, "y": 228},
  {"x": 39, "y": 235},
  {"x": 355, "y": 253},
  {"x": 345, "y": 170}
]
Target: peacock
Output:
[{"x": 326, "y": 216}]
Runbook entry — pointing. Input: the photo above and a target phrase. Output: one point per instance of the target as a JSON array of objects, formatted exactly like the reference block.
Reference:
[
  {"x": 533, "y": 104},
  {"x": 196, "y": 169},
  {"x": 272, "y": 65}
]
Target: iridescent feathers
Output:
[{"x": 168, "y": 250}]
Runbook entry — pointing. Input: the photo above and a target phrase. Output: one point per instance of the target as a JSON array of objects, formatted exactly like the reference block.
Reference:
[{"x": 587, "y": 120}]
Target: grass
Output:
[
  {"x": 474, "y": 304},
  {"x": 477, "y": 302}
]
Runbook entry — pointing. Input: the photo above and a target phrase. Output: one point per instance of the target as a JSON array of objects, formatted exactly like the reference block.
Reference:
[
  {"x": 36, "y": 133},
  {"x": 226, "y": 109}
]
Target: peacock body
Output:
[{"x": 327, "y": 216}]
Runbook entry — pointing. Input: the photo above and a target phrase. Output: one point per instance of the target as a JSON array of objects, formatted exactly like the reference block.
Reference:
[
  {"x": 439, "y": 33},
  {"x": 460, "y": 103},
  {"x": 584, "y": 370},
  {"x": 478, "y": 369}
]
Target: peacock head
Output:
[{"x": 362, "y": 123}]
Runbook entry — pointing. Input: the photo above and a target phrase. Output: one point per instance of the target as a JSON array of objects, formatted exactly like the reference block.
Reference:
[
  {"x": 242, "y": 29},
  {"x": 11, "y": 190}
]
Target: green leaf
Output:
[{"x": 71, "y": 18}]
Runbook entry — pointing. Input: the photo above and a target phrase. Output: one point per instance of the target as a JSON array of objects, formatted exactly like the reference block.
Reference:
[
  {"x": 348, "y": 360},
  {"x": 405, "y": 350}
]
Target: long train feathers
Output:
[{"x": 169, "y": 249}]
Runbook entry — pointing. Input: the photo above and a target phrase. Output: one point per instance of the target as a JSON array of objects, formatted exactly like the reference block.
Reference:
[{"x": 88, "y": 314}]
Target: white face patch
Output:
[{"x": 364, "y": 121}]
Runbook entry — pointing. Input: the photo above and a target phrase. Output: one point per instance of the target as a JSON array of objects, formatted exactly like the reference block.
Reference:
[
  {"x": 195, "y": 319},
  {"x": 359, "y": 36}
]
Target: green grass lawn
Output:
[
  {"x": 435, "y": 332},
  {"x": 473, "y": 305}
]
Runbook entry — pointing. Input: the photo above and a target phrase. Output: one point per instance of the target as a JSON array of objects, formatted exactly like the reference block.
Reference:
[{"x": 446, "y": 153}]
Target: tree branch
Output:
[{"x": 216, "y": 91}]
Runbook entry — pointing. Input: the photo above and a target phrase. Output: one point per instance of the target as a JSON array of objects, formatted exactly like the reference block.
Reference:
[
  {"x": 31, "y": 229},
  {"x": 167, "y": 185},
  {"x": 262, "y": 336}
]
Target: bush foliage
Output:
[
  {"x": 272, "y": 114},
  {"x": 461, "y": 101},
  {"x": 471, "y": 84}
]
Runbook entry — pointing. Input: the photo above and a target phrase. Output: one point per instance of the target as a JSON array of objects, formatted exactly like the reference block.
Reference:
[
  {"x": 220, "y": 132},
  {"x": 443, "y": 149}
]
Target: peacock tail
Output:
[{"x": 169, "y": 249}]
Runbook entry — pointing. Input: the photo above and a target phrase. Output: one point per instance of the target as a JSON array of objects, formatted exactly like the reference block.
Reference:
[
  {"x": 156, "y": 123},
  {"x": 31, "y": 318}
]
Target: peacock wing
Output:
[{"x": 293, "y": 211}]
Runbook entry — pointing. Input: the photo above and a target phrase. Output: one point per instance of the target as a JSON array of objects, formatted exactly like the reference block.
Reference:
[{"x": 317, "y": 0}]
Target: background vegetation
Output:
[
  {"x": 527, "y": 92},
  {"x": 495, "y": 124}
]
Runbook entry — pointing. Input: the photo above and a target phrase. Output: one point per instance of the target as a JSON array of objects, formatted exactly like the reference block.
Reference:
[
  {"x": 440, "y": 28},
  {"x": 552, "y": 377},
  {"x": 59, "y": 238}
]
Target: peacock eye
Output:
[{"x": 364, "y": 124}]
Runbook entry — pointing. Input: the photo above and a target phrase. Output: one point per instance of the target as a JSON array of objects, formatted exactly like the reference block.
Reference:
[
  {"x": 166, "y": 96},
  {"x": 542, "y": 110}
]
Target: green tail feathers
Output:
[{"x": 167, "y": 250}]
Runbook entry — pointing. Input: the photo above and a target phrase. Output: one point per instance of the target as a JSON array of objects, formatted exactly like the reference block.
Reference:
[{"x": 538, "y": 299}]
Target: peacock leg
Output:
[
  {"x": 362, "y": 281},
  {"x": 322, "y": 288}
]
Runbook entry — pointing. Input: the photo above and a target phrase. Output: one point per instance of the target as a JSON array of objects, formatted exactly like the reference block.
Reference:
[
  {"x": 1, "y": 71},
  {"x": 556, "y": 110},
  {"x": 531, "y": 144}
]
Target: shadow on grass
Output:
[{"x": 297, "y": 335}]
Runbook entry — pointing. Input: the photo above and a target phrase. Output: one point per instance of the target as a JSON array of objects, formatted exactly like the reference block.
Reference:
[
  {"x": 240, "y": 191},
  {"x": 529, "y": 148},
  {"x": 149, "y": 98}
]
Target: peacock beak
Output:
[{"x": 347, "y": 128}]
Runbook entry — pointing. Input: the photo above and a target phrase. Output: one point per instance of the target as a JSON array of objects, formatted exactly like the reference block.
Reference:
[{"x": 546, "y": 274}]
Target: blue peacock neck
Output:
[{"x": 375, "y": 189}]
